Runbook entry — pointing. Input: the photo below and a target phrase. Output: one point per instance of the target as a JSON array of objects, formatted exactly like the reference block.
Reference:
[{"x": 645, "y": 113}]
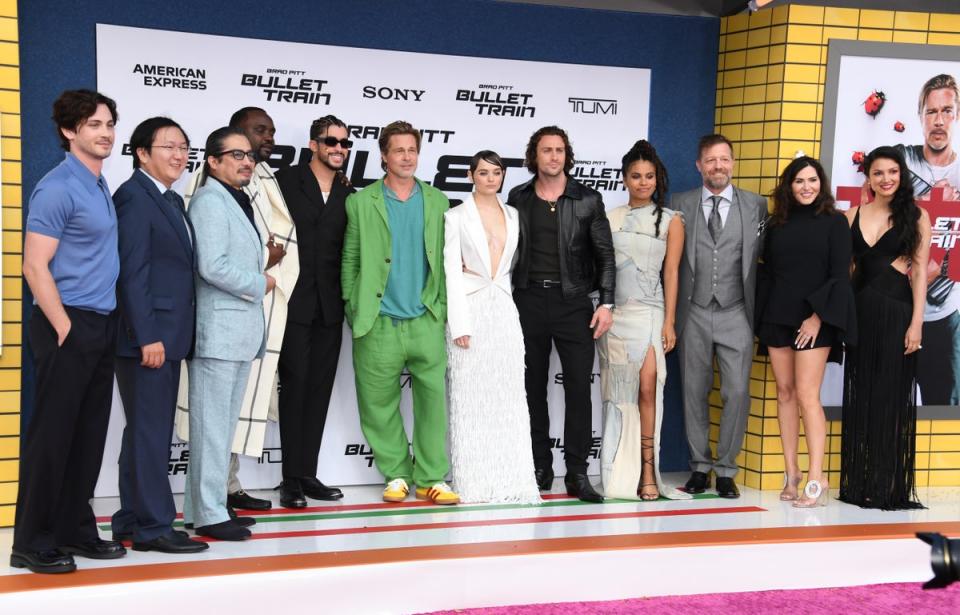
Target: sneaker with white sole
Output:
[
  {"x": 440, "y": 493},
  {"x": 396, "y": 491}
]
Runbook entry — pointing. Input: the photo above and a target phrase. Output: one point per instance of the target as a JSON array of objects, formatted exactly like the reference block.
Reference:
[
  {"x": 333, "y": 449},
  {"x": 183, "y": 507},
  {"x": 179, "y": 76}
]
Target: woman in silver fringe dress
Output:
[{"x": 490, "y": 454}]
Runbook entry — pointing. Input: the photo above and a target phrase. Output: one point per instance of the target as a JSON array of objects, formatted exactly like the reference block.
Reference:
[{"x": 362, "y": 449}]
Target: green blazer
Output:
[{"x": 367, "y": 249}]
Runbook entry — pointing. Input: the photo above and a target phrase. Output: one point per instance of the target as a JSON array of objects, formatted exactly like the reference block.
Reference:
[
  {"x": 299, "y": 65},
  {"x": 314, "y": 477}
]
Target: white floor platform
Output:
[{"x": 361, "y": 555}]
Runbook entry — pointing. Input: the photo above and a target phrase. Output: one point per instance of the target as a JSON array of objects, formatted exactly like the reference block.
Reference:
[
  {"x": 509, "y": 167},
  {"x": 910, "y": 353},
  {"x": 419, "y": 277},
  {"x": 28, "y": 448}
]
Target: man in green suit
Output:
[{"x": 395, "y": 294}]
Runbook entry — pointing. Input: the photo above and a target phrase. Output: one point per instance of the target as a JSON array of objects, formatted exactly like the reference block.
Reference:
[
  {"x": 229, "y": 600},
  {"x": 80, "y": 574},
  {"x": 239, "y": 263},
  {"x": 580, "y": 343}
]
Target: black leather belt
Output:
[{"x": 545, "y": 283}]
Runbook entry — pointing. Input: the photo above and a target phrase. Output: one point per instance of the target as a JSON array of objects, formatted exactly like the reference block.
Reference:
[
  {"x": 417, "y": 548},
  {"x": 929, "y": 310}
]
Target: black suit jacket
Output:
[
  {"x": 157, "y": 263},
  {"x": 320, "y": 228}
]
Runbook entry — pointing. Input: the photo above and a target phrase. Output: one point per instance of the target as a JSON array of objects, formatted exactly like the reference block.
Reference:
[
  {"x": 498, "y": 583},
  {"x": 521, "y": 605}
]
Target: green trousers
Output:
[{"x": 378, "y": 361}]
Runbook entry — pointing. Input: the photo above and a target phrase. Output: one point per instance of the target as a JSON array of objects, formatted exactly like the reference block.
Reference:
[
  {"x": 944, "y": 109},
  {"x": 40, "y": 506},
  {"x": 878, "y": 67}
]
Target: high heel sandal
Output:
[
  {"x": 646, "y": 444},
  {"x": 814, "y": 494},
  {"x": 790, "y": 487}
]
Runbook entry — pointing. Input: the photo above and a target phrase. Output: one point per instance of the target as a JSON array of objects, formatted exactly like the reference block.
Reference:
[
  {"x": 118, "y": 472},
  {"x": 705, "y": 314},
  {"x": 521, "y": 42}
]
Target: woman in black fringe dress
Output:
[{"x": 891, "y": 246}]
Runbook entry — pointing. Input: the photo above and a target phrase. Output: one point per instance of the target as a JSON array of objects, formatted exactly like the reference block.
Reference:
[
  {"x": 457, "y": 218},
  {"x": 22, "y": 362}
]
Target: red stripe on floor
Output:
[
  {"x": 495, "y": 522},
  {"x": 346, "y": 507}
]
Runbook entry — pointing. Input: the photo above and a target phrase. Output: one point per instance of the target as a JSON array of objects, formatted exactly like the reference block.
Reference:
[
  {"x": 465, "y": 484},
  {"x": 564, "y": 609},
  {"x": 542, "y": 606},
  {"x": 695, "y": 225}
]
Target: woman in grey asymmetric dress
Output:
[{"x": 648, "y": 243}]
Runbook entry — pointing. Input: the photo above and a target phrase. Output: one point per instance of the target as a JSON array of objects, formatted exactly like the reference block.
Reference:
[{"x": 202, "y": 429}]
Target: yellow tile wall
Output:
[
  {"x": 770, "y": 89},
  {"x": 10, "y": 266}
]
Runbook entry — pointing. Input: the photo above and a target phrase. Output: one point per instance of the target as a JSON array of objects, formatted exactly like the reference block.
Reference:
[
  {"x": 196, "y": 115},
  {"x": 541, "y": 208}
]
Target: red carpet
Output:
[{"x": 894, "y": 598}]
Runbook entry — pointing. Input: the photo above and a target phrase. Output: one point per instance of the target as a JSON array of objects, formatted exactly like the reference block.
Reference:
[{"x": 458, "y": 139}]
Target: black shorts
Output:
[{"x": 783, "y": 336}]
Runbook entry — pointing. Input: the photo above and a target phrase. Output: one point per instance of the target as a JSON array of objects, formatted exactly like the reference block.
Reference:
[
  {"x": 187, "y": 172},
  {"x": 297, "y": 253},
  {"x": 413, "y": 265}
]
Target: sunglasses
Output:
[
  {"x": 237, "y": 154},
  {"x": 333, "y": 141}
]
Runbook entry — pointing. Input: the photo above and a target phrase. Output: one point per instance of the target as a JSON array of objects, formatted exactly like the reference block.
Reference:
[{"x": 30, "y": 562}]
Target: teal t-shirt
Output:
[{"x": 408, "y": 257}]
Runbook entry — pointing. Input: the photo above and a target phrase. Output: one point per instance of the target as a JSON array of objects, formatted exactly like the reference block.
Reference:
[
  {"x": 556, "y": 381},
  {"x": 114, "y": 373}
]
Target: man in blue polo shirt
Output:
[{"x": 71, "y": 264}]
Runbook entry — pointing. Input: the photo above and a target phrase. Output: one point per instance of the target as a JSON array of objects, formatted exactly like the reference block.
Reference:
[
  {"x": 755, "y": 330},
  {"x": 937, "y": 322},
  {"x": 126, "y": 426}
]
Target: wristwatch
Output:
[{"x": 609, "y": 306}]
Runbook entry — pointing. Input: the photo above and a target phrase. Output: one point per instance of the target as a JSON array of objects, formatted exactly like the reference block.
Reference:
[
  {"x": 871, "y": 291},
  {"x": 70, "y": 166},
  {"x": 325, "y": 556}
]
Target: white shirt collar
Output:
[
  {"x": 726, "y": 195},
  {"x": 155, "y": 181}
]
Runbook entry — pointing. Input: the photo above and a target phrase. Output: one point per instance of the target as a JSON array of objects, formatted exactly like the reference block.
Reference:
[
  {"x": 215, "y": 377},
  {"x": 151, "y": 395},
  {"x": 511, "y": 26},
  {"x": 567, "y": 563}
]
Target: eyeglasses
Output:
[
  {"x": 333, "y": 141},
  {"x": 237, "y": 154},
  {"x": 183, "y": 149}
]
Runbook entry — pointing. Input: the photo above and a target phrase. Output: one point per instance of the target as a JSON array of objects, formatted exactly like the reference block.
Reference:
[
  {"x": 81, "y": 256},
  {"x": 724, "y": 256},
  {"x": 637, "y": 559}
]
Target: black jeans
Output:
[
  {"x": 307, "y": 369},
  {"x": 62, "y": 447},
  {"x": 546, "y": 317}
]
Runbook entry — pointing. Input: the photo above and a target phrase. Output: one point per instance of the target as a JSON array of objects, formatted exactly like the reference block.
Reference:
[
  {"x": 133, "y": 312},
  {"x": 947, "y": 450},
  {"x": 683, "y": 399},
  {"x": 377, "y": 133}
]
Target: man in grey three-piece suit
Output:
[
  {"x": 715, "y": 310},
  {"x": 230, "y": 326}
]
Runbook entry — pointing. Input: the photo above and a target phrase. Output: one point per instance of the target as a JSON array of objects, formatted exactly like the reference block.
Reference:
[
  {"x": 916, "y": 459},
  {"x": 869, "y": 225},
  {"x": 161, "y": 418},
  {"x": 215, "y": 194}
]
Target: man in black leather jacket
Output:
[{"x": 565, "y": 253}]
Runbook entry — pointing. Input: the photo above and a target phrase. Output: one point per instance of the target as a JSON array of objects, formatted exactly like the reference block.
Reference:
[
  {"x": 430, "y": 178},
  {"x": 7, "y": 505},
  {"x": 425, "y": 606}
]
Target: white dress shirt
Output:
[{"x": 726, "y": 200}]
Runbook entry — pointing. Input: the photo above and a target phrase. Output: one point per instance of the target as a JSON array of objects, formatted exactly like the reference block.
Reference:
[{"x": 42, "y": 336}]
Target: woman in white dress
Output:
[
  {"x": 648, "y": 243},
  {"x": 489, "y": 423}
]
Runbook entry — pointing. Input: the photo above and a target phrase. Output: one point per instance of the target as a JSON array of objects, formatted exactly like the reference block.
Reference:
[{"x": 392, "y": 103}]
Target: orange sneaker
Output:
[
  {"x": 396, "y": 491},
  {"x": 440, "y": 493}
]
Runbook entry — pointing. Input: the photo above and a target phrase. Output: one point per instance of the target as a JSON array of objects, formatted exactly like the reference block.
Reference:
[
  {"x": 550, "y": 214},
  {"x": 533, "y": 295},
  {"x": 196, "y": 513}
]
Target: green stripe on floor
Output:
[{"x": 397, "y": 512}]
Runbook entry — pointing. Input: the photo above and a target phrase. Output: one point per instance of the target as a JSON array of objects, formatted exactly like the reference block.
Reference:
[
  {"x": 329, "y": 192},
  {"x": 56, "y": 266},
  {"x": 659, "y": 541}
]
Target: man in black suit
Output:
[
  {"x": 156, "y": 332},
  {"x": 316, "y": 193}
]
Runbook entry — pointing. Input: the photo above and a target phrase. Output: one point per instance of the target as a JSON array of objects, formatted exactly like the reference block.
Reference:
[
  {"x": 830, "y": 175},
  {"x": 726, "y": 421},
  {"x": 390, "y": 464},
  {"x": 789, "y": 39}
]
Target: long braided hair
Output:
[{"x": 642, "y": 150}]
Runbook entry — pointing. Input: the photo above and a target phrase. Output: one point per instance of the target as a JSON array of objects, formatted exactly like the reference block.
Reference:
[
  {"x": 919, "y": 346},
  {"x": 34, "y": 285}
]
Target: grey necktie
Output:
[{"x": 715, "y": 224}]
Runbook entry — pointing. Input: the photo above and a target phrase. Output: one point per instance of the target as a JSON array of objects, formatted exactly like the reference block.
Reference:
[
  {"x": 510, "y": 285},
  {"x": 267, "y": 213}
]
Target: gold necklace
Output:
[{"x": 552, "y": 205}]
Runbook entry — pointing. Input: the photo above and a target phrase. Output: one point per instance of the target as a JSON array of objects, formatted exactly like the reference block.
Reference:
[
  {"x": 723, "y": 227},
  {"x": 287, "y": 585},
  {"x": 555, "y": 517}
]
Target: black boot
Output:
[{"x": 578, "y": 485}]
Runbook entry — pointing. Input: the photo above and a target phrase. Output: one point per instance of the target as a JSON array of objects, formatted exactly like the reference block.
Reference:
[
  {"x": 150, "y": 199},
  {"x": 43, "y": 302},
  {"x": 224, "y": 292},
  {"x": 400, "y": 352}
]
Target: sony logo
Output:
[{"x": 385, "y": 93}]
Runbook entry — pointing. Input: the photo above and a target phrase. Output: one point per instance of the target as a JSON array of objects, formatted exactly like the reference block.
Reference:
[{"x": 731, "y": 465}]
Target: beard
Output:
[{"x": 717, "y": 184}]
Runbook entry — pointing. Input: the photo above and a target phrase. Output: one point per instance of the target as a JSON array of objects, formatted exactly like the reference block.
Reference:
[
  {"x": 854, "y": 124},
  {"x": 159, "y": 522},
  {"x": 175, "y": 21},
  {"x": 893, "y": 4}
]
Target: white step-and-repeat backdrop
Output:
[{"x": 462, "y": 105}]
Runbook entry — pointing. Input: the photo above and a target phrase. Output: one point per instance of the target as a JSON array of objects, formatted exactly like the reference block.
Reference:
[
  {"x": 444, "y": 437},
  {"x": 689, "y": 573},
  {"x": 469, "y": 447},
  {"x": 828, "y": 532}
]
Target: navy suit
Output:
[{"x": 156, "y": 300}]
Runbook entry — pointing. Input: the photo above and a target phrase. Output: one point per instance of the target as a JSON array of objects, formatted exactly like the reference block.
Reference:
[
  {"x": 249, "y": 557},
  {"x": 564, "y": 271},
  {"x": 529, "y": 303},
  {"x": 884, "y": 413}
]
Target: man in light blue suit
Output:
[{"x": 230, "y": 327}]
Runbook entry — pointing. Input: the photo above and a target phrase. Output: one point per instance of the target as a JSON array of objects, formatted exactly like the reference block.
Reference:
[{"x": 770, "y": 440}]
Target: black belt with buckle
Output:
[{"x": 545, "y": 283}]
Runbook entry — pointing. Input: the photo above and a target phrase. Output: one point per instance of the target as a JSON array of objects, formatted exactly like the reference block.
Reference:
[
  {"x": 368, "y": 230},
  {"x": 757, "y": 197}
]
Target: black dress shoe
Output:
[
  {"x": 96, "y": 549},
  {"x": 315, "y": 490},
  {"x": 544, "y": 479},
  {"x": 245, "y": 501},
  {"x": 225, "y": 530},
  {"x": 291, "y": 494},
  {"x": 174, "y": 542},
  {"x": 53, "y": 561},
  {"x": 697, "y": 483},
  {"x": 726, "y": 488},
  {"x": 241, "y": 521},
  {"x": 578, "y": 485},
  {"x": 129, "y": 535}
]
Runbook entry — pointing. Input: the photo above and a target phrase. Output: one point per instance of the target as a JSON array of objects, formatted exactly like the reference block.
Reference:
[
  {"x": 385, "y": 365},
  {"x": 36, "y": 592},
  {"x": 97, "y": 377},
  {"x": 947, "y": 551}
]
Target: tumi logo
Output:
[
  {"x": 594, "y": 106},
  {"x": 387, "y": 93}
]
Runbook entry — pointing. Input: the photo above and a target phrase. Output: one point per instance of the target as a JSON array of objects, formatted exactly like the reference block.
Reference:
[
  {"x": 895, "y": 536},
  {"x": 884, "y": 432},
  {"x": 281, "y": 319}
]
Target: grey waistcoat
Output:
[{"x": 718, "y": 271}]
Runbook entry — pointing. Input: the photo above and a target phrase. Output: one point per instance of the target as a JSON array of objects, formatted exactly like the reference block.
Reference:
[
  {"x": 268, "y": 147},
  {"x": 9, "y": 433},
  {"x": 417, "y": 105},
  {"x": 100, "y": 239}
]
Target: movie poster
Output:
[{"x": 905, "y": 96}]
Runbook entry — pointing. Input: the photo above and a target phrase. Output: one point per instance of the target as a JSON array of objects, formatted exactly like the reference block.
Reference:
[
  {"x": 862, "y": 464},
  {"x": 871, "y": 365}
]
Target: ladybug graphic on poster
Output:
[{"x": 874, "y": 103}]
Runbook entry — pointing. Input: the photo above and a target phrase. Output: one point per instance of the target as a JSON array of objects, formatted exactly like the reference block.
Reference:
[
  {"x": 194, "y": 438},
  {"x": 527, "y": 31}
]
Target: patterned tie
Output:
[{"x": 715, "y": 225}]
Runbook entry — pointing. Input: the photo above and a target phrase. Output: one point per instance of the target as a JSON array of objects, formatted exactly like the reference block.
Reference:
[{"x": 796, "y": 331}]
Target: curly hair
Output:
[
  {"x": 530, "y": 160},
  {"x": 642, "y": 150},
  {"x": 784, "y": 200},
  {"x": 904, "y": 213}
]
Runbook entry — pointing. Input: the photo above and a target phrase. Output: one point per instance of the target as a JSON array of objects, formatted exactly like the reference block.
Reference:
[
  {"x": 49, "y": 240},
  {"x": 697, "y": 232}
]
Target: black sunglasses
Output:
[
  {"x": 237, "y": 154},
  {"x": 332, "y": 141}
]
